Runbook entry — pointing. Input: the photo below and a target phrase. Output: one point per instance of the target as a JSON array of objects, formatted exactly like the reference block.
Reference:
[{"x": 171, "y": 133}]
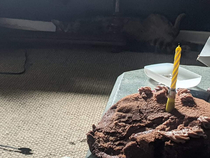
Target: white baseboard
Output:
[
  {"x": 23, "y": 24},
  {"x": 198, "y": 37}
]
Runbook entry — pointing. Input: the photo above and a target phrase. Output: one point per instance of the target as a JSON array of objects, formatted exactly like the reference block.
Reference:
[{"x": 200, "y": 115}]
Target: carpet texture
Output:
[{"x": 52, "y": 106}]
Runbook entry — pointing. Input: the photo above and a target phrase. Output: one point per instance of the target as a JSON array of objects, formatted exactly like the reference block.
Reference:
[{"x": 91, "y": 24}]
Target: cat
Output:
[{"x": 155, "y": 30}]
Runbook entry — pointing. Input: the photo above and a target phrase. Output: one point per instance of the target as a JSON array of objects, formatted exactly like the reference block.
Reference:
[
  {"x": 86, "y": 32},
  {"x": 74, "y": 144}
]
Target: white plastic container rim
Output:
[{"x": 162, "y": 73}]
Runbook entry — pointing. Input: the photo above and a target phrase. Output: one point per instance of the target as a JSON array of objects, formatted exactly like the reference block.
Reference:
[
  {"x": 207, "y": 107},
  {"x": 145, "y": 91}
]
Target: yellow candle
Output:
[
  {"x": 176, "y": 67},
  {"x": 171, "y": 98}
]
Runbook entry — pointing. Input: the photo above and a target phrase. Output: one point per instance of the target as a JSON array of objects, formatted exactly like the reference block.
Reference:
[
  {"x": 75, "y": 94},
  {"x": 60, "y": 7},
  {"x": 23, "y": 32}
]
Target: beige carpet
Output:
[{"x": 52, "y": 106}]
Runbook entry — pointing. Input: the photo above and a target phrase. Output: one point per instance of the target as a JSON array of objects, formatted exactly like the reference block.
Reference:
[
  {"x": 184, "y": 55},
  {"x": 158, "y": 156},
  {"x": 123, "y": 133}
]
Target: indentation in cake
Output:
[{"x": 184, "y": 134}]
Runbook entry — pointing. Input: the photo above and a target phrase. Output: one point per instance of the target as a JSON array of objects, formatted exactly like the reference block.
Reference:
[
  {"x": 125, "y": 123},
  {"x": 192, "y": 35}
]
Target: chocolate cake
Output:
[{"x": 138, "y": 126}]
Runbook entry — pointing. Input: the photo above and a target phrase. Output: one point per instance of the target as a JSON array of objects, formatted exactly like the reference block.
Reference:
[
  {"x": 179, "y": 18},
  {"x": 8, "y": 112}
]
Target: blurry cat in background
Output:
[{"x": 156, "y": 30}]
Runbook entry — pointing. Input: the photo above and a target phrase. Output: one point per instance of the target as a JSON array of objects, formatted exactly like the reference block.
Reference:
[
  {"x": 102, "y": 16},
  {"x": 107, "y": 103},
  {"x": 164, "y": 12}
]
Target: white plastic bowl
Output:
[{"x": 162, "y": 73}]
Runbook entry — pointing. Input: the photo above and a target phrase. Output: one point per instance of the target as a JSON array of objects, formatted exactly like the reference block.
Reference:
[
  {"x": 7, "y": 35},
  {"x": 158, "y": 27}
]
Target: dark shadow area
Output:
[
  {"x": 79, "y": 72},
  {"x": 80, "y": 64},
  {"x": 25, "y": 151},
  {"x": 78, "y": 68},
  {"x": 197, "y": 11},
  {"x": 202, "y": 94}
]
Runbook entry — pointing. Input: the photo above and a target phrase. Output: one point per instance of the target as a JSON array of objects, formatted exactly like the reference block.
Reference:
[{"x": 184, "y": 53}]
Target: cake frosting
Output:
[{"x": 138, "y": 126}]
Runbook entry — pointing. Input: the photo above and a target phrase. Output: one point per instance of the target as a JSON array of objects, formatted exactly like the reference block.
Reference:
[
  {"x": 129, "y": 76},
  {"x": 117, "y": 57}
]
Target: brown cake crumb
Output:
[
  {"x": 186, "y": 97},
  {"x": 161, "y": 94},
  {"x": 205, "y": 121},
  {"x": 138, "y": 126},
  {"x": 145, "y": 92}
]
